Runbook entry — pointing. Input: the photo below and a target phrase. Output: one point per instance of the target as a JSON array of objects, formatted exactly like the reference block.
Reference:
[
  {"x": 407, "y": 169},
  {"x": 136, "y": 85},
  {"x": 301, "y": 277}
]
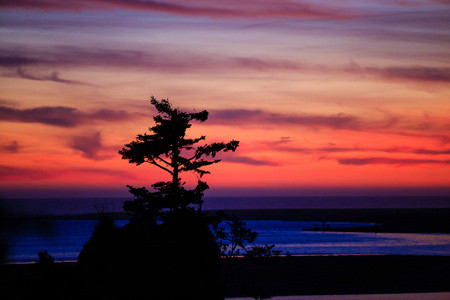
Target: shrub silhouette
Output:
[{"x": 45, "y": 259}]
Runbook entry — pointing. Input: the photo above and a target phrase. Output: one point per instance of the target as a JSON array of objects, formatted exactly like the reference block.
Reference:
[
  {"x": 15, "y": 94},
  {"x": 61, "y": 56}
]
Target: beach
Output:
[
  {"x": 409, "y": 296},
  {"x": 279, "y": 276}
]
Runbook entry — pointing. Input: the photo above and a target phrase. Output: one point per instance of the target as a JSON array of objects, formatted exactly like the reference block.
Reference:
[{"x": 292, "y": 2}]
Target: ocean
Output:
[
  {"x": 64, "y": 239},
  {"x": 62, "y": 206}
]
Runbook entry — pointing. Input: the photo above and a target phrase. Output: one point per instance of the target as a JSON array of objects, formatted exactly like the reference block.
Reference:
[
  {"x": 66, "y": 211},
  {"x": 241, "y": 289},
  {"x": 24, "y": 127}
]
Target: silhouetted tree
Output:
[
  {"x": 45, "y": 259},
  {"x": 168, "y": 148},
  {"x": 180, "y": 257},
  {"x": 182, "y": 250},
  {"x": 231, "y": 241},
  {"x": 235, "y": 239}
]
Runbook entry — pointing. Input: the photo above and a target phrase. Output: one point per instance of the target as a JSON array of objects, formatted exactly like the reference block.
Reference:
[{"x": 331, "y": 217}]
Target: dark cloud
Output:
[
  {"x": 212, "y": 9},
  {"x": 413, "y": 73},
  {"x": 389, "y": 161},
  {"x": 235, "y": 114},
  {"x": 54, "y": 76},
  {"x": 333, "y": 149},
  {"x": 249, "y": 161},
  {"x": 70, "y": 56},
  {"x": 12, "y": 60},
  {"x": 18, "y": 173},
  {"x": 414, "y": 3},
  {"x": 282, "y": 140},
  {"x": 336, "y": 121},
  {"x": 90, "y": 146},
  {"x": 61, "y": 116},
  {"x": 260, "y": 117},
  {"x": 382, "y": 124},
  {"x": 409, "y": 73},
  {"x": 113, "y": 173},
  {"x": 432, "y": 152},
  {"x": 157, "y": 58},
  {"x": 12, "y": 147},
  {"x": 264, "y": 64},
  {"x": 56, "y": 116},
  {"x": 8, "y": 173}
]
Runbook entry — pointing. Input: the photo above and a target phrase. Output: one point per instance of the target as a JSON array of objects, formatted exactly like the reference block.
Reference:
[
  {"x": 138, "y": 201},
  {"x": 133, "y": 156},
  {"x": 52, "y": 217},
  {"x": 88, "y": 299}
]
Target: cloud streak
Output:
[
  {"x": 197, "y": 8},
  {"x": 54, "y": 76},
  {"x": 410, "y": 73},
  {"x": 389, "y": 161},
  {"x": 339, "y": 121},
  {"x": 8, "y": 173},
  {"x": 371, "y": 160},
  {"x": 322, "y": 150},
  {"x": 12, "y": 147},
  {"x": 253, "y": 117},
  {"x": 157, "y": 58},
  {"x": 246, "y": 160},
  {"x": 384, "y": 123},
  {"x": 62, "y": 116}
]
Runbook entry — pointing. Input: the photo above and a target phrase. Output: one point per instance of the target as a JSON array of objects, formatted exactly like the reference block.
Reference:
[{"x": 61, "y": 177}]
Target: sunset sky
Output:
[{"x": 324, "y": 96}]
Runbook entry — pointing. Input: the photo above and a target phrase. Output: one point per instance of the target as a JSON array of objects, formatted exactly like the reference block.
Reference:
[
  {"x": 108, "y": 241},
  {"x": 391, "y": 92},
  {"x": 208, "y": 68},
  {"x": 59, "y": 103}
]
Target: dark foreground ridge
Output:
[
  {"x": 402, "y": 220},
  {"x": 296, "y": 275}
]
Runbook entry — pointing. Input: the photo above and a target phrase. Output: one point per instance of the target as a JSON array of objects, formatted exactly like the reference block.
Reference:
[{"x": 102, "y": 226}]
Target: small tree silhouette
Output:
[
  {"x": 45, "y": 259},
  {"x": 168, "y": 148}
]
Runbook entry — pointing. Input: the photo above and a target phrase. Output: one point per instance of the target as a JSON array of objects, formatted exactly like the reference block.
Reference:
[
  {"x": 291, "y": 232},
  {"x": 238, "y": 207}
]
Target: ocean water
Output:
[
  {"x": 64, "y": 239},
  {"x": 62, "y": 206}
]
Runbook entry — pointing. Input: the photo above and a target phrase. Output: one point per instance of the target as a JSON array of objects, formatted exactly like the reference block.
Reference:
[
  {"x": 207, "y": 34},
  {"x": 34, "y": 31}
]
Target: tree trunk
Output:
[{"x": 175, "y": 179}]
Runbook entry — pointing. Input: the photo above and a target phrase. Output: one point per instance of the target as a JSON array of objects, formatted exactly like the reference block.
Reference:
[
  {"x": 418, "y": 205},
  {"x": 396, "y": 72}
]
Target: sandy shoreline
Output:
[
  {"x": 297, "y": 275},
  {"x": 407, "y": 296}
]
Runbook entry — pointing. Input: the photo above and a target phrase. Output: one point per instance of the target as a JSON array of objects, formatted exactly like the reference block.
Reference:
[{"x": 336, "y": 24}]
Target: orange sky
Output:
[{"x": 322, "y": 95}]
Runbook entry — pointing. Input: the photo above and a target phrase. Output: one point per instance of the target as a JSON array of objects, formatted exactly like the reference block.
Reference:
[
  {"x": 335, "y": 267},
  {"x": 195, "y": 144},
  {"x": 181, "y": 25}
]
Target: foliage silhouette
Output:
[
  {"x": 168, "y": 148},
  {"x": 235, "y": 244},
  {"x": 170, "y": 248},
  {"x": 177, "y": 257},
  {"x": 105, "y": 224},
  {"x": 45, "y": 259}
]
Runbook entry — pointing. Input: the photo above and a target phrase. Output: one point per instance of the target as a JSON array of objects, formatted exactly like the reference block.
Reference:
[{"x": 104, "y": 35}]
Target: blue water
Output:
[
  {"x": 64, "y": 239},
  {"x": 61, "y": 206}
]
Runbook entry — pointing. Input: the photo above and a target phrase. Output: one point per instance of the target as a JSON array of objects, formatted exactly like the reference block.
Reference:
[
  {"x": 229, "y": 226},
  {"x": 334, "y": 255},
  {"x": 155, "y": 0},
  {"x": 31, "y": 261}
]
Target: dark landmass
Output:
[
  {"x": 314, "y": 275},
  {"x": 406, "y": 220},
  {"x": 277, "y": 276}
]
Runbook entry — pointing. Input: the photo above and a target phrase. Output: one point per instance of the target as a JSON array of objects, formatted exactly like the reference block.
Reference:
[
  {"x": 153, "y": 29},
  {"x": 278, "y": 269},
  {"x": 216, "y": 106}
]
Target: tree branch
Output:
[
  {"x": 163, "y": 160},
  {"x": 153, "y": 162}
]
